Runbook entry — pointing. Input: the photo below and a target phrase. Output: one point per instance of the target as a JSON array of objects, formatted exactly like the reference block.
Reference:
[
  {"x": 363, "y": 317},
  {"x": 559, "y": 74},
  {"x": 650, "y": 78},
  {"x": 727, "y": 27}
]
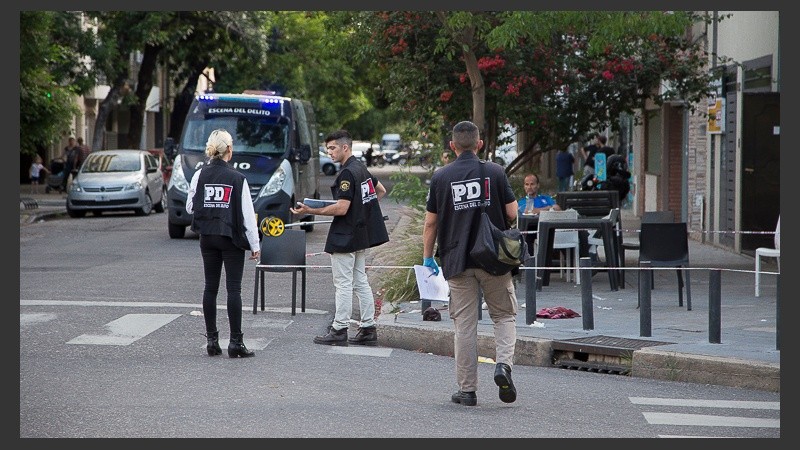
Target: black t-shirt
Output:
[
  {"x": 590, "y": 151},
  {"x": 73, "y": 156},
  {"x": 455, "y": 197},
  {"x": 593, "y": 149}
]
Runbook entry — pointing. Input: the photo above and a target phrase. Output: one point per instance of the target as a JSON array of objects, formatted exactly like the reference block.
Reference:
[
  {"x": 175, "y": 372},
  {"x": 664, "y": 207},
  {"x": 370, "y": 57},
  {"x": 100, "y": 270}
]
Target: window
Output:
[
  {"x": 653, "y": 162},
  {"x": 758, "y": 74}
]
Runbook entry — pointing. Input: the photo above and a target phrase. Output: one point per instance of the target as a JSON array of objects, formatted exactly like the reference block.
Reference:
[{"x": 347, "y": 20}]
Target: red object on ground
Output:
[{"x": 556, "y": 312}]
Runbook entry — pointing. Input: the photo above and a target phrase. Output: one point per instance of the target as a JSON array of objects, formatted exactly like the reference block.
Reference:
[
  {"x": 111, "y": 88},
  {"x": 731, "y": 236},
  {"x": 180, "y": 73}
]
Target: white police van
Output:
[{"x": 273, "y": 138}]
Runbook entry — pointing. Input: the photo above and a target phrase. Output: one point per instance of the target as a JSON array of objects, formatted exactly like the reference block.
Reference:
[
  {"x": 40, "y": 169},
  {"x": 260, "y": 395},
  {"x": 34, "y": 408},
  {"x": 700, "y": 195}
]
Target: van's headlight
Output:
[
  {"x": 281, "y": 180},
  {"x": 178, "y": 179}
]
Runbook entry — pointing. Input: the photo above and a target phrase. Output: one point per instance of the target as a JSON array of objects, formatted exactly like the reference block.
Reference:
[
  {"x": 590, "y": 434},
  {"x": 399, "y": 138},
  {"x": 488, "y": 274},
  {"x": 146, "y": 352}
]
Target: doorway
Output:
[{"x": 760, "y": 175}]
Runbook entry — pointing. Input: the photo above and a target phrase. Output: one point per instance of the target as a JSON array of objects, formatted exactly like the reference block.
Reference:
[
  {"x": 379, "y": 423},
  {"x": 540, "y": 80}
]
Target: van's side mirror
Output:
[
  {"x": 304, "y": 153},
  {"x": 169, "y": 148}
]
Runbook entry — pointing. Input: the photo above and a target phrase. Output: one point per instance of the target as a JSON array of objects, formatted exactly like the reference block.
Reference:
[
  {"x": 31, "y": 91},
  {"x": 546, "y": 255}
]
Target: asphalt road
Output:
[{"x": 112, "y": 346}]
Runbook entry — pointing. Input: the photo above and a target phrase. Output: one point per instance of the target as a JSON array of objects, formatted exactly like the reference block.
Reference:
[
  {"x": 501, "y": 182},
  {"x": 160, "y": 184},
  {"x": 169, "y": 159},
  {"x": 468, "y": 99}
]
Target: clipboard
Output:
[
  {"x": 431, "y": 287},
  {"x": 317, "y": 203}
]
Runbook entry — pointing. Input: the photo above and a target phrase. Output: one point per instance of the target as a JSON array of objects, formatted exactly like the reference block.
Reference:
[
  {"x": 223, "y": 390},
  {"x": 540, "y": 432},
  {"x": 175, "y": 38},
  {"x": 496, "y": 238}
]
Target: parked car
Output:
[
  {"x": 117, "y": 180},
  {"x": 327, "y": 165},
  {"x": 164, "y": 164}
]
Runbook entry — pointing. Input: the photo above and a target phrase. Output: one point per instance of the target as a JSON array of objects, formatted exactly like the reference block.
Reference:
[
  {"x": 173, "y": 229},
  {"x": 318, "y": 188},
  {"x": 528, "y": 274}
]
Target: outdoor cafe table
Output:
[{"x": 547, "y": 229}]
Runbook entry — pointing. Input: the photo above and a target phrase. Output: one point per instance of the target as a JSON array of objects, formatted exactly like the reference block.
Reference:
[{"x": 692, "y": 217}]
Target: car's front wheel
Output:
[
  {"x": 75, "y": 214},
  {"x": 161, "y": 206},
  {"x": 147, "y": 208},
  {"x": 329, "y": 169}
]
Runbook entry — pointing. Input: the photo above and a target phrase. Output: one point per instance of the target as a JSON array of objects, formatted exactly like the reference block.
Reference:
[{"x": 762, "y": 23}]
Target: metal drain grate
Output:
[
  {"x": 603, "y": 354},
  {"x": 28, "y": 203}
]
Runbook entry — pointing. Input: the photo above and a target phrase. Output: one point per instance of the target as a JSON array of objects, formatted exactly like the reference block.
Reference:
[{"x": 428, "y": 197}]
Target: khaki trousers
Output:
[{"x": 501, "y": 301}]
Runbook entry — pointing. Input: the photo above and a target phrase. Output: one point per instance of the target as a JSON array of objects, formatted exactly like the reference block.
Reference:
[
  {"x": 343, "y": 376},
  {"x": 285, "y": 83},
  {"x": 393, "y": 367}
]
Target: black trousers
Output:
[{"x": 218, "y": 251}]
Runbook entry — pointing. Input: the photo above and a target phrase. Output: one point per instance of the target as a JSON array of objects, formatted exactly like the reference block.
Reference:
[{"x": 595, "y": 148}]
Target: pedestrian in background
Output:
[
  {"x": 356, "y": 226},
  {"x": 451, "y": 221},
  {"x": 71, "y": 156},
  {"x": 223, "y": 216},
  {"x": 565, "y": 163},
  {"x": 35, "y": 172},
  {"x": 85, "y": 150}
]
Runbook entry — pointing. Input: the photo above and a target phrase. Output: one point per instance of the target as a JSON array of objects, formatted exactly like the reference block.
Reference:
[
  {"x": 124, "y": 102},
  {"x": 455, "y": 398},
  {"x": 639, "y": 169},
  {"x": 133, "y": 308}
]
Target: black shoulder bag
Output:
[{"x": 496, "y": 251}]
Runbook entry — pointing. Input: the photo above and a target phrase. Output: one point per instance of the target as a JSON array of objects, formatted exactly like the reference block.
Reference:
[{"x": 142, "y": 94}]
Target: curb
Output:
[
  {"x": 645, "y": 363},
  {"x": 29, "y": 218}
]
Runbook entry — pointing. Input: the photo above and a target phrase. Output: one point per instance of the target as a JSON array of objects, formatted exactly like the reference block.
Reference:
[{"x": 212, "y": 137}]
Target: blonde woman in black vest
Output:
[{"x": 223, "y": 216}]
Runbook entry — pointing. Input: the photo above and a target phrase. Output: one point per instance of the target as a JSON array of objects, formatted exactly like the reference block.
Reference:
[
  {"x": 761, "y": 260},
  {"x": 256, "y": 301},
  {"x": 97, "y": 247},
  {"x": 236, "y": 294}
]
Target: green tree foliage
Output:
[
  {"x": 557, "y": 75},
  {"x": 51, "y": 75}
]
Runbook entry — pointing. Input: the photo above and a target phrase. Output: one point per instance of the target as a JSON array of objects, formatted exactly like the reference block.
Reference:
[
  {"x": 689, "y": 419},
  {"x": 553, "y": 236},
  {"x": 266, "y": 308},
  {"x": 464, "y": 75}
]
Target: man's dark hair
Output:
[
  {"x": 602, "y": 138},
  {"x": 340, "y": 136},
  {"x": 466, "y": 135}
]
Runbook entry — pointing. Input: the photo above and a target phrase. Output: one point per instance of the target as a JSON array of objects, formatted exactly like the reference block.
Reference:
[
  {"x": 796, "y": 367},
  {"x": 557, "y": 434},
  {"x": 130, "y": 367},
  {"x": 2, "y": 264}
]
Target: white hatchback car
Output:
[{"x": 117, "y": 180}]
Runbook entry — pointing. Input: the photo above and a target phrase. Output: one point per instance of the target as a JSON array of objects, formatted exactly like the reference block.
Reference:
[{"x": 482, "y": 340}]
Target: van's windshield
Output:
[{"x": 252, "y": 135}]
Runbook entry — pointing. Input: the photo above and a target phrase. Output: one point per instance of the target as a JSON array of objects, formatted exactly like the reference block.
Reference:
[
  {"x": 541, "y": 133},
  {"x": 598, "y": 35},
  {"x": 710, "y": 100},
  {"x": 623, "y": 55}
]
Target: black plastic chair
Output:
[
  {"x": 647, "y": 217},
  {"x": 288, "y": 249},
  {"x": 667, "y": 245}
]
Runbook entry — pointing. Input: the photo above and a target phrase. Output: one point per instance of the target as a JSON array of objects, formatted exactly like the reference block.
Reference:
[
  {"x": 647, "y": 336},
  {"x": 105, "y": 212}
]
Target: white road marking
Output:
[
  {"x": 704, "y": 420},
  {"x": 362, "y": 350},
  {"x": 682, "y": 436},
  {"x": 703, "y": 403},
  {"x": 33, "y": 318},
  {"x": 272, "y": 323},
  {"x": 126, "y": 330},
  {"x": 251, "y": 344},
  {"x": 139, "y": 304}
]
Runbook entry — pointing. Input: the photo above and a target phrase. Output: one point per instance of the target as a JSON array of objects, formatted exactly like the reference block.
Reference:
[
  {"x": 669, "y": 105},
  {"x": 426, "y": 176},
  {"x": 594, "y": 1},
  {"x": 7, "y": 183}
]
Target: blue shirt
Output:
[{"x": 540, "y": 201}]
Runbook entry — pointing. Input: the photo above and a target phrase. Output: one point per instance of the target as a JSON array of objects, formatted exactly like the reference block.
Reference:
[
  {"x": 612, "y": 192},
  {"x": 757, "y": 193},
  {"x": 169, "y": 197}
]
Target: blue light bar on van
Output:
[{"x": 272, "y": 104}]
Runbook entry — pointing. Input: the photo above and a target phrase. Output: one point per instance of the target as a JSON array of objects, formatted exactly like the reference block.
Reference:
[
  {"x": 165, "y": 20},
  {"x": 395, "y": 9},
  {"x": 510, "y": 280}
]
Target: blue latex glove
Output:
[{"x": 430, "y": 262}]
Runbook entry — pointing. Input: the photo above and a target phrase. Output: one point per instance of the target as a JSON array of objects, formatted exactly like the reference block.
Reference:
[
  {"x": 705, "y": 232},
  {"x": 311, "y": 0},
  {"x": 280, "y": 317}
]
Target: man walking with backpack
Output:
[{"x": 452, "y": 215}]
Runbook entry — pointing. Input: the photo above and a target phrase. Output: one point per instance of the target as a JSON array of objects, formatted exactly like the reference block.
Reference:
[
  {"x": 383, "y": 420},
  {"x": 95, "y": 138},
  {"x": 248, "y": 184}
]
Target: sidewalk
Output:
[{"x": 678, "y": 348}]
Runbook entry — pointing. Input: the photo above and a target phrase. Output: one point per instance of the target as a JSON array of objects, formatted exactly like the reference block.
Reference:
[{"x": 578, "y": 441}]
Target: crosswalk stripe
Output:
[
  {"x": 142, "y": 304},
  {"x": 661, "y": 418},
  {"x": 381, "y": 352},
  {"x": 251, "y": 344},
  {"x": 126, "y": 330},
  {"x": 32, "y": 318},
  {"x": 683, "y": 436},
  {"x": 704, "y": 403}
]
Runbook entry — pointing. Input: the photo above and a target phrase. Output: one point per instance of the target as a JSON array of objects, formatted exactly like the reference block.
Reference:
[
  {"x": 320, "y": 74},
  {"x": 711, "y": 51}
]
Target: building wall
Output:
[
  {"x": 748, "y": 34},
  {"x": 745, "y": 36},
  {"x": 697, "y": 174},
  {"x": 673, "y": 152}
]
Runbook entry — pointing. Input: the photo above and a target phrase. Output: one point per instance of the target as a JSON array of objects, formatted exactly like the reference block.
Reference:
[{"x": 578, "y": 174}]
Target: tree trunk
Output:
[
  {"x": 104, "y": 110},
  {"x": 465, "y": 39},
  {"x": 143, "y": 87},
  {"x": 183, "y": 101}
]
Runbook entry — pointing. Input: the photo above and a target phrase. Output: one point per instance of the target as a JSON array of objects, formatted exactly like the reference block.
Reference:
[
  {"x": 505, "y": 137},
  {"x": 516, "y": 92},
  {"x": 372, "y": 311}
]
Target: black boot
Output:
[
  {"x": 213, "y": 343},
  {"x": 333, "y": 337},
  {"x": 502, "y": 378},
  {"x": 236, "y": 347}
]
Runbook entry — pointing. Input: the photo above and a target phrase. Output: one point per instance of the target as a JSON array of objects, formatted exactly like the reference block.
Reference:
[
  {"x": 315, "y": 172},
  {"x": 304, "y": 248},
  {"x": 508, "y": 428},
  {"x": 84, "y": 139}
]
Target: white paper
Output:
[{"x": 431, "y": 287}]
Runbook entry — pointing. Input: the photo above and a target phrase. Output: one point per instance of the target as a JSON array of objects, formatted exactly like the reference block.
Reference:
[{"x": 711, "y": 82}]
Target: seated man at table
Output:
[{"x": 533, "y": 202}]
